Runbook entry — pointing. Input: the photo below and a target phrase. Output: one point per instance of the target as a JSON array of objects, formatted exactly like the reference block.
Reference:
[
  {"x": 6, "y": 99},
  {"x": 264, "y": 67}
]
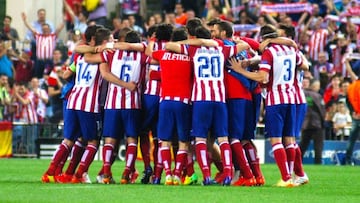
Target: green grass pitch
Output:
[{"x": 20, "y": 182}]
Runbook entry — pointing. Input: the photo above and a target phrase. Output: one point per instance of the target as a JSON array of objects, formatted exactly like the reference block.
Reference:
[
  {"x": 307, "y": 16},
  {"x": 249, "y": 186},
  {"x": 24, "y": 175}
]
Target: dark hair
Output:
[
  {"x": 123, "y": 32},
  {"x": 179, "y": 34},
  {"x": 268, "y": 31},
  {"x": 164, "y": 31},
  {"x": 202, "y": 32},
  {"x": 213, "y": 22},
  {"x": 90, "y": 32},
  {"x": 101, "y": 35},
  {"x": 8, "y": 17},
  {"x": 41, "y": 9},
  {"x": 289, "y": 30},
  {"x": 227, "y": 27},
  {"x": 152, "y": 29},
  {"x": 132, "y": 37},
  {"x": 192, "y": 24}
]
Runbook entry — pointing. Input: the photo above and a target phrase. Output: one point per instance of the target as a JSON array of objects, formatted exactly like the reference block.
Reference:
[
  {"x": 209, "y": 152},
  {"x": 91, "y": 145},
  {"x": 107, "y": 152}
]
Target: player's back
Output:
[
  {"x": 208, "y": 73},
  {"x": 85, "y": 93},
  {"x": 176, "y": 75},
  {"x": 282, "y": 75},
  {"x": 129, "y": 67}
]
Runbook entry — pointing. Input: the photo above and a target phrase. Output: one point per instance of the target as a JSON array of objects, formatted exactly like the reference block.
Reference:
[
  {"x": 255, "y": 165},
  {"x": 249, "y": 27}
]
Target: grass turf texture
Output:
[{"x": 20, "y": 182}]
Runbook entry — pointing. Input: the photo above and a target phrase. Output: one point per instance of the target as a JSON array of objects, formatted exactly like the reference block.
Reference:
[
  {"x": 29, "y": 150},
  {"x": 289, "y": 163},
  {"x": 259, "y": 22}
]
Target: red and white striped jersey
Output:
[
  {"x": 84, "y": 95},
  {"x": 128, "y": 66},
  {"x": 317, "y": 43},
  {"x": 280, "y": 62},
  {"x": 153, "y": 87},
  {"x": 209, "y": 71},
  {"x": 45, "y": 45},
  {"x": 26, "y": 112}
]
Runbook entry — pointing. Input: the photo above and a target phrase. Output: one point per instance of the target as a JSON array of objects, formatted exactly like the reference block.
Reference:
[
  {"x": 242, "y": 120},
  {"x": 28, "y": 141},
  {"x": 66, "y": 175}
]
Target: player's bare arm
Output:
[
  {"x": 110, "y": 77},
  {"x": 260, "y": 76},
  {"x": 278, "y": 40}
]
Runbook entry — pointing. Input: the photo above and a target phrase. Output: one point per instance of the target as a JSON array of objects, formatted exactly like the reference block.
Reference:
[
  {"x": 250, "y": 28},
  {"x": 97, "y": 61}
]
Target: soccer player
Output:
[
  {"x": 239, "y": 102},
  {"x": 293, "y": 152},
  {"x": 124, "y": 70},
  {"x": 150, "y": 105},
  {"x": 277, "y": 71},
  {"x": 78, "y": 148},
  {"x": 208, "y": 96},
  {"x": 82, "y": 106},
  {"x": 174, "y": 108}
]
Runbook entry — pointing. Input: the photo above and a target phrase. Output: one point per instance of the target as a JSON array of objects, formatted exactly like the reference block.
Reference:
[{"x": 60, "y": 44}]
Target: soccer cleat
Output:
[
  {"x": 169, "y": 180},
  {"x": 208, "y": 181},
  {"x": 282, "y": 183},
  {"x": 227, "y": 181},
  {"x": 64, "y": 178},
  {"x": 85, "y": 178},
  {"x": 48, "y": 179},
  {"x": 125, "y": 179},
  {"x": 133, "y": 176},
  {"x": 301, "y": 180},
  {"x": 146, "y": 175},
  {"x": 176, "y": 180},
  {"x": 245, "y": 182},
  {"x": 100, "y": 179},
  {"x": 156, "y": 181},
  {"x": 193, "y": 179},
  {"x": 260, "y": 181}
]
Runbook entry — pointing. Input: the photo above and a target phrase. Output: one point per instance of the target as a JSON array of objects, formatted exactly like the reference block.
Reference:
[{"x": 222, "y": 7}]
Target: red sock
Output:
[
  {"x": 59, "y": 168},
  {"x": 226, "y": 158},
  {"x": 190, "y": 165},
  {"x": 145, "y": 149},
  {"x": 86, "y": 159},
  {"x": 131, "y": 153},
  {"x": 253, "y": 159},
  {"x": 201, "y": 157},
  {"x": 76, "y": 154},
  {"x": 298, "y": 167},
  {"x": 107, "y": 154},
  {"x": 180, "y": 160},
  {"x": 281, "y": 161},
  {"x": 166, "y": 159},
  {"x": 61, "y": 152},
  {"x": 159, "y": 166},
  {"x": 241, "y": 159},
  {"x": 290, "y": 155}
]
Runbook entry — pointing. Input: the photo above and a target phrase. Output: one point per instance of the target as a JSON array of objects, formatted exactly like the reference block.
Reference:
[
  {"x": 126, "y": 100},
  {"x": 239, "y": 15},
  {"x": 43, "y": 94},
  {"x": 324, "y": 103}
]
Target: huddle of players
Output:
[{"x": 198, "y": 96}]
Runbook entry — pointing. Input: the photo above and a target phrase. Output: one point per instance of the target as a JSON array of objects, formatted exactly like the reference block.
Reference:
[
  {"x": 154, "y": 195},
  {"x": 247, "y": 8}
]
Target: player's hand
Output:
[
  {"x": 132, "y": 86},
  {"x": 236, "y": 65}
]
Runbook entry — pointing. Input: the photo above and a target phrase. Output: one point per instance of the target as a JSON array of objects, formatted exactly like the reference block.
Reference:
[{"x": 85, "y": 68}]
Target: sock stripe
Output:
[{"x": 277, "y": 146}]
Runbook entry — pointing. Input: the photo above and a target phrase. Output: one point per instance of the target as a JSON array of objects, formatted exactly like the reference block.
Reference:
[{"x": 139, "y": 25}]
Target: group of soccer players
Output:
[{"x": 200, "y": 96}]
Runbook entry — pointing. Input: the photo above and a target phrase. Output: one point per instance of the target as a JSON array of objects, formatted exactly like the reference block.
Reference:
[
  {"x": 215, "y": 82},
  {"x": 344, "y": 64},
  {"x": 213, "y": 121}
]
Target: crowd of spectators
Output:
[{"x": 327, "y": 32}]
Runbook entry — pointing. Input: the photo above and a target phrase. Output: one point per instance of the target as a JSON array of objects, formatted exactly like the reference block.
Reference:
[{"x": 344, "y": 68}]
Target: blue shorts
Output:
[
  {"x": 241, "y": 118},
  {"x": 118, "y": 122},
  {"x": 81, "y": 124},
  {"x": 209, "y": 116},
  {"x": 150, "y": 113},
  {"x": 300, "y": 116},
  {"x": 174, "y": 119},
  {"x": 280, "y": 120}
]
